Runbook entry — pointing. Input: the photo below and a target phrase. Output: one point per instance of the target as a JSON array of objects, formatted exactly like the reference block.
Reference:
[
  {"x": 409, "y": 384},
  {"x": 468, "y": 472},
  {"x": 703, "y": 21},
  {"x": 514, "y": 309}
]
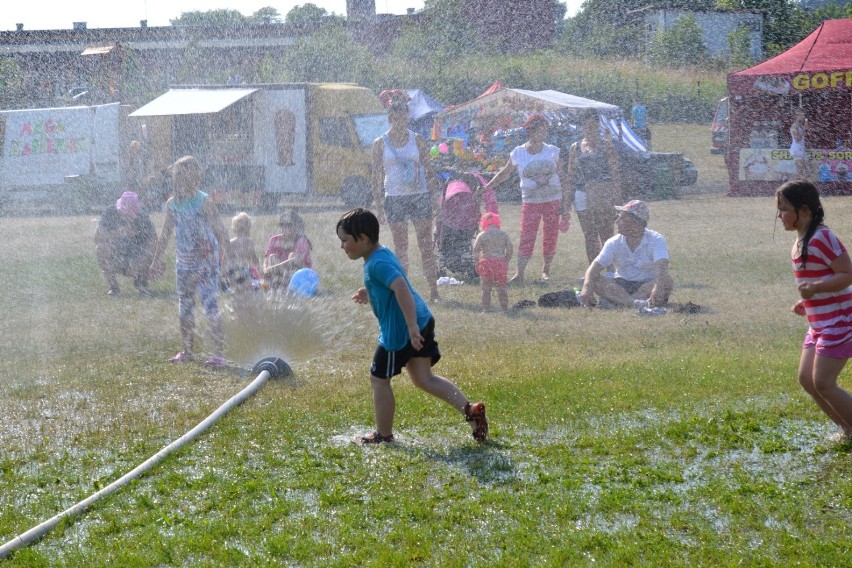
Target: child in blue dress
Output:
[{"x": 200, "y": 239}]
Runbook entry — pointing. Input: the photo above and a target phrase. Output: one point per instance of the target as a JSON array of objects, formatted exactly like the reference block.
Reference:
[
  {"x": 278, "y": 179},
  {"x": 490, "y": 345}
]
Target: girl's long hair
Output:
[{"x": 802, "y": 193}]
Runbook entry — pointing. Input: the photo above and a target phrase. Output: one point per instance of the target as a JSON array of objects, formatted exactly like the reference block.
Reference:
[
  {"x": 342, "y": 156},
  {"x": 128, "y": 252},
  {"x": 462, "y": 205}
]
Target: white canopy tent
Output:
[{"x": 505, "y": 109}]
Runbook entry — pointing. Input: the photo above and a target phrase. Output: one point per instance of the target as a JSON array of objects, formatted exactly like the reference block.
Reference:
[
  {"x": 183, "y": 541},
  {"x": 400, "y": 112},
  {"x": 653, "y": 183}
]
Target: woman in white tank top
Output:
[{"x": 403, "y": 188}]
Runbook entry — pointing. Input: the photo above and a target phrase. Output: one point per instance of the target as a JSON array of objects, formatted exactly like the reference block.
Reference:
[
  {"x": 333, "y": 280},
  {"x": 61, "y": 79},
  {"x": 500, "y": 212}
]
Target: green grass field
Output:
[
  {"x": 693, "y": 140},
  {"x": 680, "y": 440}
]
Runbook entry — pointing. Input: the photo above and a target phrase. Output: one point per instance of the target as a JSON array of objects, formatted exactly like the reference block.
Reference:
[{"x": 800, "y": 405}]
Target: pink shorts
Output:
[
  {"x": 813, "y": 341},
  {"x": 493, "y": 268}
]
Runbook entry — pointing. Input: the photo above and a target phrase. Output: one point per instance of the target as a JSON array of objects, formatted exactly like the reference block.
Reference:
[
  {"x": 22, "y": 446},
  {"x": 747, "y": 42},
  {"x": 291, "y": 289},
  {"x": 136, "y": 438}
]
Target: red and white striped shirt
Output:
[{"x": 829, "y": 314}]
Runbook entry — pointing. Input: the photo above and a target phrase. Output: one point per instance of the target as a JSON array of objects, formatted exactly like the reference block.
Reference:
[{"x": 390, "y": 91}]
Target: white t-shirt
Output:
[
  {"x": 539, "y": 175},
  {"x": 636, "y": 265}
]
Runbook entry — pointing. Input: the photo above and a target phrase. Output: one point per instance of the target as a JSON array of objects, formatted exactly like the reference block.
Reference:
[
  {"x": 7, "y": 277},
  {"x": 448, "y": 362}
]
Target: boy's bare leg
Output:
[
  {"x": 384, "y": 405},
  {"x": 420, "y": 371}
]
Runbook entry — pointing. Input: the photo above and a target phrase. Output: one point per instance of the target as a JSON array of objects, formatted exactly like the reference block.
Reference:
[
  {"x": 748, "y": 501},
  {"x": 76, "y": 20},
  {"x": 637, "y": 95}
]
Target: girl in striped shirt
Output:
[{"x": 823, "y": 273}]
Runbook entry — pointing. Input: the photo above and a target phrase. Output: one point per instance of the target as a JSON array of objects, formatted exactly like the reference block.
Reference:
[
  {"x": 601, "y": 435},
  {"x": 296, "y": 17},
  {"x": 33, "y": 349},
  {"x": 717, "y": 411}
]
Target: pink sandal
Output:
[{"x": 182, "y": 357}]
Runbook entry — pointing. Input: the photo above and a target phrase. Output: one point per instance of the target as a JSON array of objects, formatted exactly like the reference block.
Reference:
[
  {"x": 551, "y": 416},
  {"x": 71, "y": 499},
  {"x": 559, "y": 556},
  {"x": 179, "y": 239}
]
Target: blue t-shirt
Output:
[
  {"x": 380, "y": 270},
  {"x": 640, "y": 116}
]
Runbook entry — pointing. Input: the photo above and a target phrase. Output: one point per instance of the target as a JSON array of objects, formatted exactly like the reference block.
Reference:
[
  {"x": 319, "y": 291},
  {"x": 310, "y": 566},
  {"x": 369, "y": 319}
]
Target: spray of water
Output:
[{"x": 260, "y": 324}]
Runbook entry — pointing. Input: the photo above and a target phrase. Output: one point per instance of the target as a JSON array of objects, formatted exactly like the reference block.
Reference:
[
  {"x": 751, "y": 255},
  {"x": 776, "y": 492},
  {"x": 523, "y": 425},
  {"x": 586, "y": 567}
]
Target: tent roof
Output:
[
  {"x": 496, "y": 86},
  {"x": 421, "y": 104},
  {"x": 192, "y": 101},
  {"x": 530, "y": 101},
  {"x": 827, "y": 49}
]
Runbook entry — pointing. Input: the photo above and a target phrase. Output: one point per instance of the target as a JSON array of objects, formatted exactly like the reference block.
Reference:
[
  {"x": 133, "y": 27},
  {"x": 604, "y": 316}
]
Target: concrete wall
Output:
[{"x": 715, "y": 27}]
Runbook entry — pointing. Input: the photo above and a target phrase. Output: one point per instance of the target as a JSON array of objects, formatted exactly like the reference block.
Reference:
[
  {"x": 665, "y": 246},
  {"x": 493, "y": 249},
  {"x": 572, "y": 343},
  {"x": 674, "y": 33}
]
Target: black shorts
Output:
[
  {"x": 630, "y": 286},
  {"x": 387, "y": 364},
  {"x": 400, "y": 208}
]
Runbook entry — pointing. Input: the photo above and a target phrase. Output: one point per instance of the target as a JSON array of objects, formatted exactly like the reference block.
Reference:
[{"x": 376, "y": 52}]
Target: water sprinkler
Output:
[
  {"x": 266, "y": 368},
  {"x": 275, "y": 366}
]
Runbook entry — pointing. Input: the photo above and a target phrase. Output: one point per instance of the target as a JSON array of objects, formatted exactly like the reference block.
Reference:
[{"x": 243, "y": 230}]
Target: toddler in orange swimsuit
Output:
[{"x": 492, "y": 251}]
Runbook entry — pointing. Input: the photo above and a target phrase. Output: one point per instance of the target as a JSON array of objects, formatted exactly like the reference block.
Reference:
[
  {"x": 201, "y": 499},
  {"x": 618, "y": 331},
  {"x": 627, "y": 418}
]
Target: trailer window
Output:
[
  {"x": 370, "y": 126},
  {"x": 334, "y": 132}
]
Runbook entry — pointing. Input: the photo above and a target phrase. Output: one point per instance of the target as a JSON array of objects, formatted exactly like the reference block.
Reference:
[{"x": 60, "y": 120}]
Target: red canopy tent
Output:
[{"x": 816, "y": 75}]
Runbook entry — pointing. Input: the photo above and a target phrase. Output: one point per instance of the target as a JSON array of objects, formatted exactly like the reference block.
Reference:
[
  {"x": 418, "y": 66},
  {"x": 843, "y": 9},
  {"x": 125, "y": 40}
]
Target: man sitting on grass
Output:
[{"x": 640, "y": 259}]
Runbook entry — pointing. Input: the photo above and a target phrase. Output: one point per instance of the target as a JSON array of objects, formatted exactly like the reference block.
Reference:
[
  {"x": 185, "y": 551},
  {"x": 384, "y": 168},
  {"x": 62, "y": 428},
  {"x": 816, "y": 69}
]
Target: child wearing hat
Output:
[
  {"x": 492, "y": 251},
  {"x": 124, "y": 243}
]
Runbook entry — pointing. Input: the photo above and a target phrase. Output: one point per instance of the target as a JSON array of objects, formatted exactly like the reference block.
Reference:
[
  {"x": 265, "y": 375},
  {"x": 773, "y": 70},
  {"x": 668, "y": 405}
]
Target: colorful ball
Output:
[{"x": 304, "y": 282}]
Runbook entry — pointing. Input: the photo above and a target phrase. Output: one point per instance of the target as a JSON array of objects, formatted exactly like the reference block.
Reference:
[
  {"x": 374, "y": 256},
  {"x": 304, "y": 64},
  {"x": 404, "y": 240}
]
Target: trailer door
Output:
[{"x": 281, "y": 139}]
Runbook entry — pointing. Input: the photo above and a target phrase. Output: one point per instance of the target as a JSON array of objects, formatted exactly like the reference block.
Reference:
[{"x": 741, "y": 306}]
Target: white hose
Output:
[{"x": 36, "y": 533}]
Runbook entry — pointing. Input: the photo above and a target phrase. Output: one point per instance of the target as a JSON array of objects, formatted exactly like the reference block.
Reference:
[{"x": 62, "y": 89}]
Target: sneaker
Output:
[
  {"x": 475, "y": 414},
  {"x": 658, "y": 311},
  {"x": 639, "y": 304},
  {"x": 215, "y": 362},
  {"x": 182, "y": 357},
  {"x": 374, "y": 438}
]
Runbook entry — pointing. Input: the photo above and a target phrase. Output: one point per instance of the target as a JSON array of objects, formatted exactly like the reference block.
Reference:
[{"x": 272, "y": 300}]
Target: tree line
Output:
[{"x": 599, "y": 54}]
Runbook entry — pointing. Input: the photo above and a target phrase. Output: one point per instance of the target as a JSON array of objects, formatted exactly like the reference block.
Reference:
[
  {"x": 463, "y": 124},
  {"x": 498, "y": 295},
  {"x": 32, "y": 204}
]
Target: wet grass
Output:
[{"x": 616, "y": 440}]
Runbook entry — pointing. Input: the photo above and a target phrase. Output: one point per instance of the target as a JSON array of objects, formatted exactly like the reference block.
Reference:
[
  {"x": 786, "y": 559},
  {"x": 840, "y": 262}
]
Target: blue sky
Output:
[{"x": 49, "y": 14}]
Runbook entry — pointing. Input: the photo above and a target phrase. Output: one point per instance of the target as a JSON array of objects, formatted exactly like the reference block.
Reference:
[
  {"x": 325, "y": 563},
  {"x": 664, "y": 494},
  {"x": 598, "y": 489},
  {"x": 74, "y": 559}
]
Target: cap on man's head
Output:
[
  {"x": 128, "y": 204},
  {"x": 637, "y": 208}
]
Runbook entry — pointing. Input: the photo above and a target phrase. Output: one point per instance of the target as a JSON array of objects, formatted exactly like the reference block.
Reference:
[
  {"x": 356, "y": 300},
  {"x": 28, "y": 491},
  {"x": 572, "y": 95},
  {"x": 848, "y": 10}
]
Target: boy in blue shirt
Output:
[{"x": 406, "y": 326}]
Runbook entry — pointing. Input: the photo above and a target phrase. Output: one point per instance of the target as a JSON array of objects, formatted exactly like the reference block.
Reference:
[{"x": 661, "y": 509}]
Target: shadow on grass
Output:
[{"x": 487, "y": 463}]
